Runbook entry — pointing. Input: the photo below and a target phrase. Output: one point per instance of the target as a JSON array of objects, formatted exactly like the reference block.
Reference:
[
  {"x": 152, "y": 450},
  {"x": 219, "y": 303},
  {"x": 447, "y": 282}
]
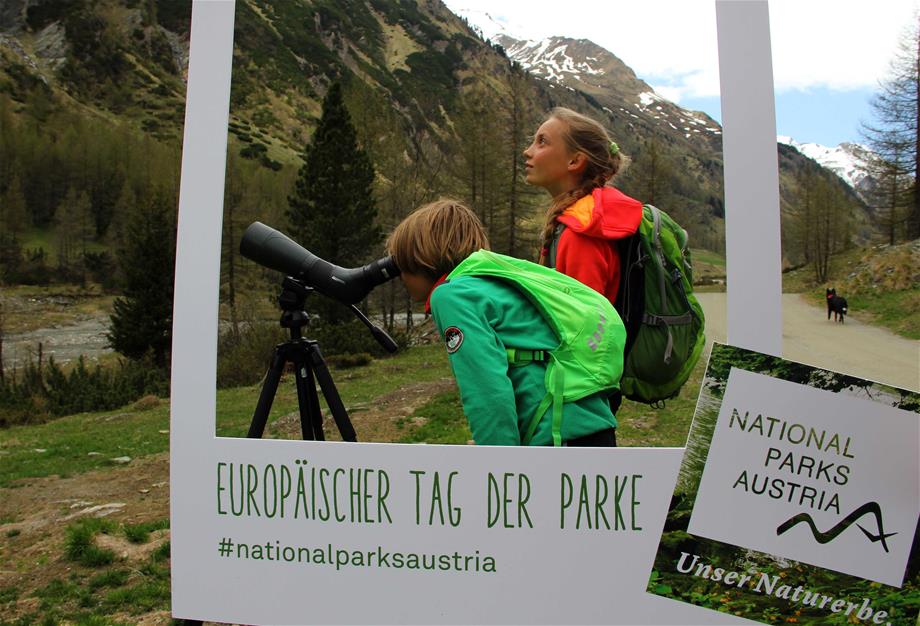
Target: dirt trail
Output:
[{"x": 852, "y": 348}]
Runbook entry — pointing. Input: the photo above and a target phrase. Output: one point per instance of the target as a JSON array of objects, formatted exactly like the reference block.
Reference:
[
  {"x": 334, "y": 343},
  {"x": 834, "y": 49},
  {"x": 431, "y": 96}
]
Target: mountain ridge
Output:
[{"x": 422, "y": 84}]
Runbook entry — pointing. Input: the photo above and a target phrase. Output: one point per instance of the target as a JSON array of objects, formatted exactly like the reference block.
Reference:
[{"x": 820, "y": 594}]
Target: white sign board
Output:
[
  {"x": 299, "y": 532},
  {"x": 797, "y": 499},
  {"x": 310, "y": 532},
  {"x": 800, "y": 470}
]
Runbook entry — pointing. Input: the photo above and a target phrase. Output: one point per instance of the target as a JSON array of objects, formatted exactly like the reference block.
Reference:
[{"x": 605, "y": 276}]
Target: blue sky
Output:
[
  {"x": 828, "y": 55},
  {"x": 817, "y": 115}
]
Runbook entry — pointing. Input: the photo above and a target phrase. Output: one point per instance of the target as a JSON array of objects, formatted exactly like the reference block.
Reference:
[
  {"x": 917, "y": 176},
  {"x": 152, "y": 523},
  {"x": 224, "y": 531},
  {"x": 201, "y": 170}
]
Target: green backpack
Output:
[
  {"x": 664, "y": 320},
  {"x": 589, "y": 357}
]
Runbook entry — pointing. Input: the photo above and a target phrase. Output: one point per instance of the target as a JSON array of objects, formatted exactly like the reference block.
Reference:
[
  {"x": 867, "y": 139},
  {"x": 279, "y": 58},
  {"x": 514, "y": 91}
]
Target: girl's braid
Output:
[{"x": 558, "y": 207}]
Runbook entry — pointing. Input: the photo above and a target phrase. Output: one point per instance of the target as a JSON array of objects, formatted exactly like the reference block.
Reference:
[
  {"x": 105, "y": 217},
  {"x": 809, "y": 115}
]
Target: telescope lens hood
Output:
[{"x": 275, "y": 250}]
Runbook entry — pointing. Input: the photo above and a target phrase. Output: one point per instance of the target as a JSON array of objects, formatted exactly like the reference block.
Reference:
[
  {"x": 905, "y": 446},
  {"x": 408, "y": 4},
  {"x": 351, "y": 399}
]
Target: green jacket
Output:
[{"x": 479, "y": 318}]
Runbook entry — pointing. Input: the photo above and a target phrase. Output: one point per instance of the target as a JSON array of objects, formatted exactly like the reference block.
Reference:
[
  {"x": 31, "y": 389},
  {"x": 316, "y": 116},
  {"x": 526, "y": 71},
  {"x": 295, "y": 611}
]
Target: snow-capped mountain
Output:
[
  {"x": 580, "y": 64},
  {"x": 846, "y": 160}
]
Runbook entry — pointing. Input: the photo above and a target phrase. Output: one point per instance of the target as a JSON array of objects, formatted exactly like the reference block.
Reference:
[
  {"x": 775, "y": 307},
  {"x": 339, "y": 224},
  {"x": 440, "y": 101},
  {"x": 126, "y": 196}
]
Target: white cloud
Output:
[
  {"x": 674, "y": 94},
  {"x": 845, "y": 44},
  {"x": 840, "y": 44}
]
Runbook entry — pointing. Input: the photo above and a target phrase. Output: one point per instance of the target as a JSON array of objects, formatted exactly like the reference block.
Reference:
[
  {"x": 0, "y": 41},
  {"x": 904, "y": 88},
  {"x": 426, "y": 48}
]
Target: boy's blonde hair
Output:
[{"x": 435, "y": 238}]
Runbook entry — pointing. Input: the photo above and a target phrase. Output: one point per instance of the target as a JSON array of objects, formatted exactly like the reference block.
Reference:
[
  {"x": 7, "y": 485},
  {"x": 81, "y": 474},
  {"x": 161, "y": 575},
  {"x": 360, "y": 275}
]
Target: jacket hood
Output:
[{"x": 607, "y": 213}]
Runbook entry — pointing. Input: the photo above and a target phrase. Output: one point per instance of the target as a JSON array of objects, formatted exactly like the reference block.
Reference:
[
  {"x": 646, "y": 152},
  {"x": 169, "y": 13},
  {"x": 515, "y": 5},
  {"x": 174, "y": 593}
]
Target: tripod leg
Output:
[
  {"x": 269, "y": 388},
  {"x": 331, "y": 394},
  {"x": 311, "y": 419}
]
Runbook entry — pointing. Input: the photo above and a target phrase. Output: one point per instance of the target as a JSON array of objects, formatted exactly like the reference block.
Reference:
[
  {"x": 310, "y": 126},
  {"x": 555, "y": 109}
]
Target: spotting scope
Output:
[{"x": 274, "y": 250}]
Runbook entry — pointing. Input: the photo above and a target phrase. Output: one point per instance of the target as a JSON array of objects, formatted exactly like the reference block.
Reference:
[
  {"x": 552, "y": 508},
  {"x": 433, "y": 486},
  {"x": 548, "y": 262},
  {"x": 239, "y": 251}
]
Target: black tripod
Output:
[{"x": 309, "y": 368}]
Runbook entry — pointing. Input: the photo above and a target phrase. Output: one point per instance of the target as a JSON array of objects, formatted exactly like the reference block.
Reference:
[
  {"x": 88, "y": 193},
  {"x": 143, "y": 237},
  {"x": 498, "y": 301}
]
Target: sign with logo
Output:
[
  {"x": 453, "y": 336},
  {"x": 799, "y": 491}
]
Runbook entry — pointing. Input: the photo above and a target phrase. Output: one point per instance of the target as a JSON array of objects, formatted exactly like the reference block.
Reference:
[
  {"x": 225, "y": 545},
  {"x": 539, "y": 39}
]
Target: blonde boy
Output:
[{"x": 479, "y": 318}]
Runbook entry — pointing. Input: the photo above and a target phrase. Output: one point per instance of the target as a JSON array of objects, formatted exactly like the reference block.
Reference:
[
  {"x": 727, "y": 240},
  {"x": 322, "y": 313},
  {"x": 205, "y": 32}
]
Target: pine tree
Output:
[
  {"x": 894, "y": 135},
  {"x": 14, "y": 214},
  {"x": 74, "y": 228},
  {"x": 142, "y": 317},
  {"x": 480, "y": 167},
  {"x": 653, "y": 172},
  {"x": 822, "y": 221},
  {"x": 332, "y": 210}
]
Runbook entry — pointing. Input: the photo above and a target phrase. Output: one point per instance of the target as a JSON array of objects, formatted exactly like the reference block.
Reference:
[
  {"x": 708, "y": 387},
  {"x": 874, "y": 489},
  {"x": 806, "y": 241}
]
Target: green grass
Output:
[
  {"x": 68, "y": 441},
  {"x": 803, "y": 279},
  {"x": 91, "y": 591},
  {"x": 640, "y": 425},
  {"x": 109, "y": 578},
  {"x": 89, "y": 597},
  {"x": 81, "y": 544},
  {"x": 708, "y": 270},
  {"x": 140, "y": 533},
  {"x": 357, "y": 387},
  {"x": 8, "y": 594},
  {"x": 707, "y": 257},
  {"x": 898, "y": 311},
  {"x": 444, "y": 421},
  {"x": 150, "y": 593},
  {"x": 40, "y": 238},
  {"x": 52, "y": 305}
]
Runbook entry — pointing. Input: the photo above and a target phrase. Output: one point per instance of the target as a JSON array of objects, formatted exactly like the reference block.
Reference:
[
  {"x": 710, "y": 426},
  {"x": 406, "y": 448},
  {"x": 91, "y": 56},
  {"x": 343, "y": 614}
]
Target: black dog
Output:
[{"x": 836, "y": 305}]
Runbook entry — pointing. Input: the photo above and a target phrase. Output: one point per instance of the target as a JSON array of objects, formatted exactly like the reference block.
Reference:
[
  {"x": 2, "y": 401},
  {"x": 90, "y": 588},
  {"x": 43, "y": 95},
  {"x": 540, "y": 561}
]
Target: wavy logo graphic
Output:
[{"x": 842, "y": 525}]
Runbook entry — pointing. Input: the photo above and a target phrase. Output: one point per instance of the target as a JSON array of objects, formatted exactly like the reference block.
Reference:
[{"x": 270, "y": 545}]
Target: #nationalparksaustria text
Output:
[{"x": 341, "y": 557}]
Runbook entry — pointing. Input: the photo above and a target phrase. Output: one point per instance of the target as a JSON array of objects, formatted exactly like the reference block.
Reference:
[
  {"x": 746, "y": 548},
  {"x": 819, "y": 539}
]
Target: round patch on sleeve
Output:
[{"x": 454, "y": 337}]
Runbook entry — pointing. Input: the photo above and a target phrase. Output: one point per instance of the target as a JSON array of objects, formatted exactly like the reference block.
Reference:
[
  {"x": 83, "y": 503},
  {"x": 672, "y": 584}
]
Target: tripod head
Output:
[
  {"x": 293, "y": 296},
  {"x": 293, "y": 299}
]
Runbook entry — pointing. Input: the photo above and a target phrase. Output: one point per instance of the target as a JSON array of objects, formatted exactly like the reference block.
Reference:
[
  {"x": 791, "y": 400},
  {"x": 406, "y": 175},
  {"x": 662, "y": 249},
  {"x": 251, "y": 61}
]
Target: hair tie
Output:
[{"x": 614, "y": 148}]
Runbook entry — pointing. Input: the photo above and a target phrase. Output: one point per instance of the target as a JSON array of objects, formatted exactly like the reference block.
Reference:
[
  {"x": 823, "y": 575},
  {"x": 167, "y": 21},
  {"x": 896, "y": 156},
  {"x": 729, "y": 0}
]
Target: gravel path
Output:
[{"x": 851, "y": 348}]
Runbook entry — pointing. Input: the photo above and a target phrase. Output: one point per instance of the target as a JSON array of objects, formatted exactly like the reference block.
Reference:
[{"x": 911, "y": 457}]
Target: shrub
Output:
[
  {"x": 343, "y": 361},
  {"x": 244, "y": 354},
  {"x": 350, "y": 337},
  {"x": 40, "y": 391},
  {"x": 146, "y": 403}
]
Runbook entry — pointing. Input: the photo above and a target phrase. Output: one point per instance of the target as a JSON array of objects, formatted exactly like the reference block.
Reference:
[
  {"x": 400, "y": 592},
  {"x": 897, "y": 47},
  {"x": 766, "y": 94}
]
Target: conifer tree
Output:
[
  {"x": 894, "y": 135},
  {"x": 14, "y": 214},
  {"x": 822, "y": 221},
  {"x": 74, "y": 228},
  {"x": 142, "y": 317},
  {"x": 332, "y": 209}
]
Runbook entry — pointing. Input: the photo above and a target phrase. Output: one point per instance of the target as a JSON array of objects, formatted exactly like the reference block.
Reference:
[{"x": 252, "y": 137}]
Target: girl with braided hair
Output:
[{"x": 574, "y": 159}]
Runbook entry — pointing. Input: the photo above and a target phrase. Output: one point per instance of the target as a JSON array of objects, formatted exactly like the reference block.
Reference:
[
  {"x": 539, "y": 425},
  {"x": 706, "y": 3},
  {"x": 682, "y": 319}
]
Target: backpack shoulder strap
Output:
[{"x": 554, "y": 245}]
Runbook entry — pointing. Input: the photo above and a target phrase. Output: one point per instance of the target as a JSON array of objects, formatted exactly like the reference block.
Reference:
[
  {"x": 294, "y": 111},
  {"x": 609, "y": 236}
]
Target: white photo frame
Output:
[{"x": 582, "y": 574}]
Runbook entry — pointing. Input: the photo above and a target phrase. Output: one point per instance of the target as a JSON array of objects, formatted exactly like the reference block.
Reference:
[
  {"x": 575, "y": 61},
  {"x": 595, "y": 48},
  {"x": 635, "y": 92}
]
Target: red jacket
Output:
[{"x": 586, "y": 249}]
